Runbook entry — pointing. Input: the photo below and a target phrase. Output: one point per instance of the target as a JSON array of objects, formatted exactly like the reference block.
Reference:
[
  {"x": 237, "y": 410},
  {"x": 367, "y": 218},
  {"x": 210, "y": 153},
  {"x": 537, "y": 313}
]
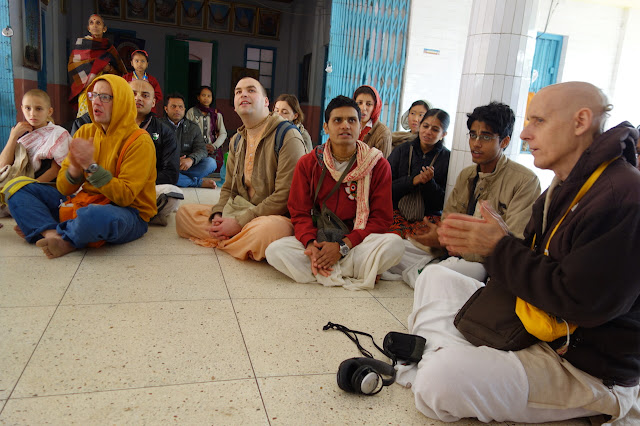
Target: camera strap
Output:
[{"x": 353, "y": 336}]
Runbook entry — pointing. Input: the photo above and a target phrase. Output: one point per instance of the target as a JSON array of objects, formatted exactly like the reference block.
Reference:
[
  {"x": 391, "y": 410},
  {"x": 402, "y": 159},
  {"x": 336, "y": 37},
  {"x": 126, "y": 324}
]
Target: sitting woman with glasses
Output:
[
  {"x": 419, "y": 170},
  {"x": 411, "y": 121}
]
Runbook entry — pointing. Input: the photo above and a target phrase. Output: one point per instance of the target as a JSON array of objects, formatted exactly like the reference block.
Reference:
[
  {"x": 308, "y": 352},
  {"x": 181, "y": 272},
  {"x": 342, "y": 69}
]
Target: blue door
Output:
[
  {"x": 8, "y": 110},
  {"x": 546, "y": 61}
]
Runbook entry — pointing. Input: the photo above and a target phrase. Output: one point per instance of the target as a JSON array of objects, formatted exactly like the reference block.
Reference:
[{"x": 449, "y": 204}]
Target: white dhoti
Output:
[
  {"x": 415, "y": 260},
  {"x": 456, "y": 379},
  {"x": 356, "y": 271}
]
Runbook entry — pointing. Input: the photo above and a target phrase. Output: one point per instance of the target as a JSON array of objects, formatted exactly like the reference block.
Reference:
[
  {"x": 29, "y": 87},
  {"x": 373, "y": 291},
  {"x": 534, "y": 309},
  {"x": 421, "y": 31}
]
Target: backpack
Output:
[{"x": 281, "y": 131}]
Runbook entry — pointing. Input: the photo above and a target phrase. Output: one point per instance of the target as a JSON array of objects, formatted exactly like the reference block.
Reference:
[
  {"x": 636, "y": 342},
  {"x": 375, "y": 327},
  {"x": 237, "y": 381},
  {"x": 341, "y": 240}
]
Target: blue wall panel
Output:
[
  {"x": 368, "y": 41},
  {"x": 7, "y": 102}
]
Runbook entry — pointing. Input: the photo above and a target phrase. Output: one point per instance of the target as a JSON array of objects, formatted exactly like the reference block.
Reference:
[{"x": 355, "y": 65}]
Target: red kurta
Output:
[{"x": 342, "y": 202}]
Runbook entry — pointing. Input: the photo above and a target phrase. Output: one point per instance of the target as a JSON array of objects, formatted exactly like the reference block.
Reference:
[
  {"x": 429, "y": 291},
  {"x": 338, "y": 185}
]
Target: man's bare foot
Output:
[
  {"x": 208, "y": 183},
  {"x": 18, "y": 231},
  {"x": 55, "y": 246}
]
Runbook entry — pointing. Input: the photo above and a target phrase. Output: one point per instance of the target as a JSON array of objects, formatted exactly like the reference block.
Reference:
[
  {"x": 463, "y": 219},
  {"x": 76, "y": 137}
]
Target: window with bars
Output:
[{"x": 262, "y": 59}]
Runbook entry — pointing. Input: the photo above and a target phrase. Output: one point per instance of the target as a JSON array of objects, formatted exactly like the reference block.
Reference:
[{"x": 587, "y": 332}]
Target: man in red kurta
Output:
[{"x": 362, "y": 201}]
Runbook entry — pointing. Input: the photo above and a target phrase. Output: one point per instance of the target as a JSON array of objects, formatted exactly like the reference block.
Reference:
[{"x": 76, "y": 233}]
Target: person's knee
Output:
[
  {"x": 438, "y": 380},
  {"x": 273, "y": 250},
  {"x": 208, "y": 165}
]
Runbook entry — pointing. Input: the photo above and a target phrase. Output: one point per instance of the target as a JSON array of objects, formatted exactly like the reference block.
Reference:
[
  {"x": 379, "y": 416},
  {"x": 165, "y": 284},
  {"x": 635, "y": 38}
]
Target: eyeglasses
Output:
[
  {"x": 482, "y": 138},
  {"x": 104, "y": 98}
]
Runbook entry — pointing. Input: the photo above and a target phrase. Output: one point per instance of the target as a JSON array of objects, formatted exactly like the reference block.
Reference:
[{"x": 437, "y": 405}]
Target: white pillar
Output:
[{"x": 497, "y": 67}]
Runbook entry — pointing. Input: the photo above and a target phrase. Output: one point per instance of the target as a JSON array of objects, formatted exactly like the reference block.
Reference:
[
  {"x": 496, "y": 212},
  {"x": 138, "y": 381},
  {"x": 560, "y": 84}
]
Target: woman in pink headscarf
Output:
[{"x": 372, "y": 131}]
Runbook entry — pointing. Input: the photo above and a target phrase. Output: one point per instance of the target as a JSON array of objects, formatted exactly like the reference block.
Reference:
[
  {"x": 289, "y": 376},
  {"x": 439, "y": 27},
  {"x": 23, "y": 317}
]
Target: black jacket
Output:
[
  {"x": 167, "y": 155},
  {"x": 190, "y": 140},
  {"x": 432, "y": 191},
  {"x": 590, "y": 277}
]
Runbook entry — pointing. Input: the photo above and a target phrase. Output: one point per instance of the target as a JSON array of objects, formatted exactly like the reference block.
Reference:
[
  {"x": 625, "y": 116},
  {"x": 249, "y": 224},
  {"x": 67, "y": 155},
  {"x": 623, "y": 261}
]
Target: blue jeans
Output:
[
  {"x": 193, "y": 176},
  {"x": 35, "y": 209}
]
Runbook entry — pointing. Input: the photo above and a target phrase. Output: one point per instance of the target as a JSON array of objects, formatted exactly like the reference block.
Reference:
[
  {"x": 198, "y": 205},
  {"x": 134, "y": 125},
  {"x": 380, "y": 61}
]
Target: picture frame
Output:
[
  {"x": 165, "y": 12},
  {"x": 138, "y": 10},
  {"x": 268, "y": 23},
  {"x": 218, "y": 16},
  {"x": 192, "y": 14},
  {"x": 109, "y": 8},
  {"x": 244, "y": 19},
  {"x": 32, "y": 35}
]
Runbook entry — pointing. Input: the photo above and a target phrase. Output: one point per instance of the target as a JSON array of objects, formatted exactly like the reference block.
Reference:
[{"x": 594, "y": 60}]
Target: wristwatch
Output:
[
  {"x": 344, "y": 248},
  {"x": 92, "y": 168}
]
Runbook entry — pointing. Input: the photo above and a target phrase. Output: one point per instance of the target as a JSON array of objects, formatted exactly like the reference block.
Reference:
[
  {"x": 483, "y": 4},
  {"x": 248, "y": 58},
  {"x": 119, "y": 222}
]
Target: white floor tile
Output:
[
  {"x": 20, "y": 331},
  {"x": 145, "y": 278},
  {"x": 234, "y": 402},
  {"x": 107, "y": 347}
]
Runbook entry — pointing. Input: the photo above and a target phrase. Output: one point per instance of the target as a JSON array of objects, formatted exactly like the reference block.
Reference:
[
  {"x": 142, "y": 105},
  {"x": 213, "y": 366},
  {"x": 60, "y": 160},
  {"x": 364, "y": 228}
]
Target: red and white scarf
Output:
[
  {"x": 366, "y": 159},
  {"x": 47, "y": 142}
]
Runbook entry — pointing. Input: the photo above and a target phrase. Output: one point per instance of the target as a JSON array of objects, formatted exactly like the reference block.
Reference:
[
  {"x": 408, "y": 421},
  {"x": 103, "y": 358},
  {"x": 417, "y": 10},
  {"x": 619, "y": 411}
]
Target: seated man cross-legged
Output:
[
  {"x": 113, "y": 160},
  {"x": 352, "y": 180},
  {"x": 250, "y": 213},
  {"x": 575, "y": 271}
]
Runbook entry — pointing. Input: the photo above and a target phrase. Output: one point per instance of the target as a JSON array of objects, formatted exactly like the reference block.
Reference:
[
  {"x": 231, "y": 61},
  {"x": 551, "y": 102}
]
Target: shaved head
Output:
[
  {"x": 574, "y": 95},
  {"x": 564, "y": 119},
  {"x": 142, "y": 85}
]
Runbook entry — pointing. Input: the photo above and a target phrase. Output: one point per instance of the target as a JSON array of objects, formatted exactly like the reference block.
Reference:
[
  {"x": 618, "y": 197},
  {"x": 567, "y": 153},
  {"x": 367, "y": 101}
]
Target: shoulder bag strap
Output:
[
  {"x": 135, "y": 135},
  {"x": 339, "y": 182}
]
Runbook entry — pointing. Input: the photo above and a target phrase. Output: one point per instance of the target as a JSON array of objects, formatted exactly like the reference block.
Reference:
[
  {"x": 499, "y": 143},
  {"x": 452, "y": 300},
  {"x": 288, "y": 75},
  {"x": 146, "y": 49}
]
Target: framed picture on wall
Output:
[
  {"x": 218, "y": 16},
  {"x": 192, "y": 13},
  {"x": 32, "y": 35},
  {"x": 165, "y": 12},
  {"x": 268, "y": 23},
  {"x": 244, "y": 19},
  {"x": 109, "y": 8},
  {"x": 137, "y": 10}
]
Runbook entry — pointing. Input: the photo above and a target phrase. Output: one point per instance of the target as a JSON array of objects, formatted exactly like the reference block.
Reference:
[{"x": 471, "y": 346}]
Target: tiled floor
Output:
[{"x": 164, "y": 331}]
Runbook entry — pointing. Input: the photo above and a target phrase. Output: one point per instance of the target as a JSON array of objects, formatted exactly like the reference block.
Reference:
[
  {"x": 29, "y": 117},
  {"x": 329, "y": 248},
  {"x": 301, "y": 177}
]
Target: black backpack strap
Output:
[
  {"x": 281, "y": 131},
  {"x": 235, "y": 142}
]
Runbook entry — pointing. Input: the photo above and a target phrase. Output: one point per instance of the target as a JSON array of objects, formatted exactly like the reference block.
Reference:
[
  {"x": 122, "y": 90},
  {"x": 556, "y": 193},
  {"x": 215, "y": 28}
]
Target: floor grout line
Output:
[
  {"x": 244, "y": 342},
  {"x": 43, "y": 332}
]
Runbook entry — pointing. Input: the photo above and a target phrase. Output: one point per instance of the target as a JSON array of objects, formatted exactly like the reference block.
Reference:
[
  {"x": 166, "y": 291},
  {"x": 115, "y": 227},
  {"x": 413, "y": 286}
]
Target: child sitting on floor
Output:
[{"x": 36, "y": 147}]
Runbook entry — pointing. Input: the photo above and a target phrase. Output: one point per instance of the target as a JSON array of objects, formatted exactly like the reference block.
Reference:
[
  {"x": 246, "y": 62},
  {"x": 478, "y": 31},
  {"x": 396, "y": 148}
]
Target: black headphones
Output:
[{"x": 364, "y": 375}]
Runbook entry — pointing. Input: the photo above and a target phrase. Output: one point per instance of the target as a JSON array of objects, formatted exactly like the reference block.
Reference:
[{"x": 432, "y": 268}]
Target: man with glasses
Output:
[
  {"x": 114, "y": 163},
  {"x": 508, "y": 187}
]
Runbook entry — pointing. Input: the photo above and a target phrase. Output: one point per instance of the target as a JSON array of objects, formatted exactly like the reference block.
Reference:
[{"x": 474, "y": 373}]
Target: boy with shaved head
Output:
[{"x": 576, "y": 265}]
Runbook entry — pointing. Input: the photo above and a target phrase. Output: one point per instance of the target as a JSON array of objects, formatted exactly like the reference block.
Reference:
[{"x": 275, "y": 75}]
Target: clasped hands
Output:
[
  {"x": 224, "y": 228},
  {"x": 425, "y": 175},
  {"x": 463, "y": 234},
  {"x": 80, "y": 156},
  {"x": 323, "y": 256}
]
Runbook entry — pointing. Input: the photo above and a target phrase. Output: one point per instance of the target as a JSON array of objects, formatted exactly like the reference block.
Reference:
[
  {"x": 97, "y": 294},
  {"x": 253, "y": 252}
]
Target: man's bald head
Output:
[
  {"x": 144, "y": 95},
  {"x": 564, "y": 119},
  {"x": 142, "y": 85},
  {"x": 571, "y": 97}
]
